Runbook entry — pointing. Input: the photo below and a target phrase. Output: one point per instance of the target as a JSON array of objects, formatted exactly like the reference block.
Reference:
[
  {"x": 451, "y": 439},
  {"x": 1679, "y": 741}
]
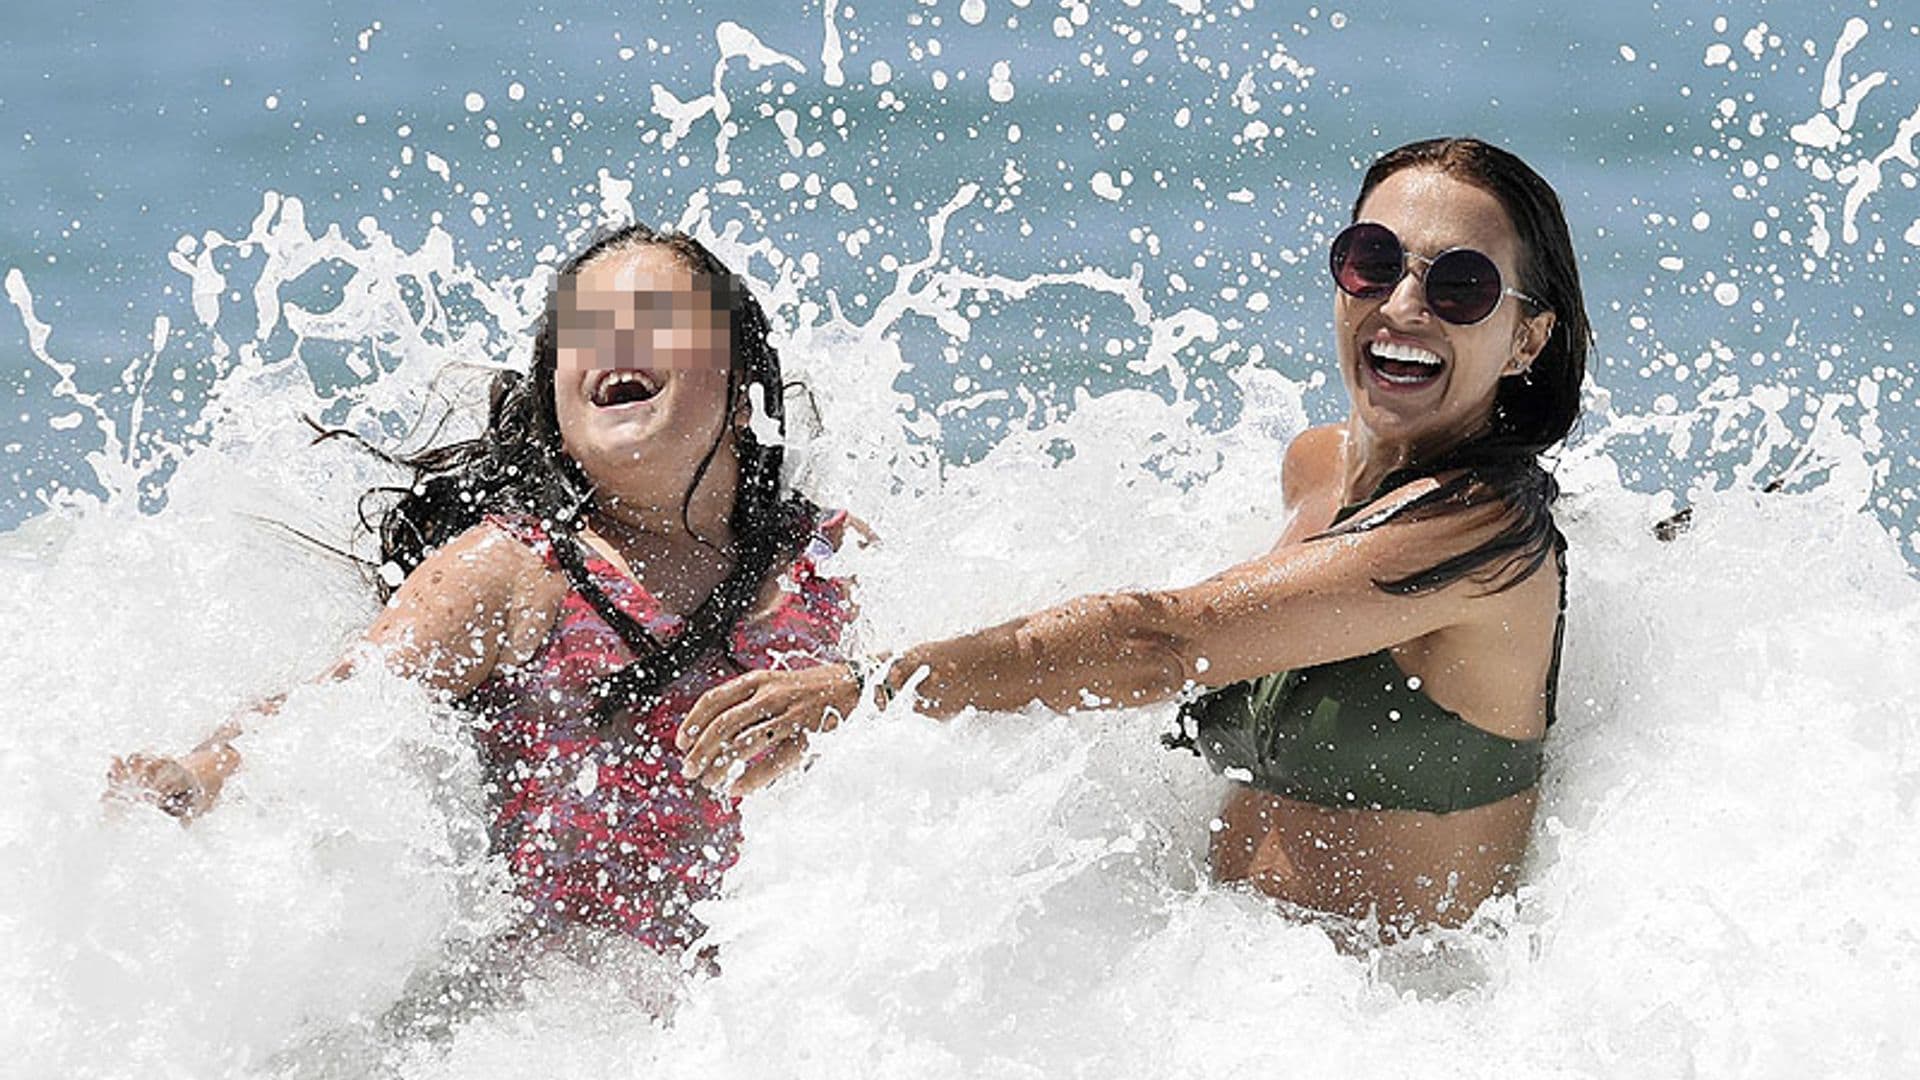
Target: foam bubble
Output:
[{"x": 1000, "y": 82}]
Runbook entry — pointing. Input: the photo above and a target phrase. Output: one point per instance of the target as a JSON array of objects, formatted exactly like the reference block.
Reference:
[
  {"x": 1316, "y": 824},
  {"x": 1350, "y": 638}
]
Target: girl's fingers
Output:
[
  {"x": 135, "y": 771},
  {"x": 739, "y": 721},
  {"x": 711, "y": 704},
  {"x": 710, "y": 747},
  {"x": 772, "y": 765},
  {"x": 159, "y": 781},
  {"x": 748, "y": 739}
]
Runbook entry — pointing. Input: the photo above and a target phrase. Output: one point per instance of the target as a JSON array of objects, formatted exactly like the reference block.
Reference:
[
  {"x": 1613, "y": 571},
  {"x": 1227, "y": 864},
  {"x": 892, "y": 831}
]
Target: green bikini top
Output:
[{"x": 1362, "y": 734}]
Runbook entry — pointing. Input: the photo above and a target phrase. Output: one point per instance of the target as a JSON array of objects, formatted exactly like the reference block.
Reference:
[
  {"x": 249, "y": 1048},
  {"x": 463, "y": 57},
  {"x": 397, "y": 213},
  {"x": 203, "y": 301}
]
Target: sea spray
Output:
[{"x": 1719, "y": 881}]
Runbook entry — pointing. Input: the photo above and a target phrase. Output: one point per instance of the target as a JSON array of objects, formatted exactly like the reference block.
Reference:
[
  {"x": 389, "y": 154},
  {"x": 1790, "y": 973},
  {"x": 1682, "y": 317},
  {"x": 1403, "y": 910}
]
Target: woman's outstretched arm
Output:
[{"x": 1302, "y": 604}]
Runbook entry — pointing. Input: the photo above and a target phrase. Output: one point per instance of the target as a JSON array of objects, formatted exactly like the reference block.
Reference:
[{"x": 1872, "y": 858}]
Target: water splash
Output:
[{"x": 1718, "y": 882}]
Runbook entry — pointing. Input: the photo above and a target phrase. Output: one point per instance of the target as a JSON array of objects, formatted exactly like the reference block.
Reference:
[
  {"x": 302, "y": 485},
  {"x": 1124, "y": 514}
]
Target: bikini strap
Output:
[{"x": 1559, "y": 628}]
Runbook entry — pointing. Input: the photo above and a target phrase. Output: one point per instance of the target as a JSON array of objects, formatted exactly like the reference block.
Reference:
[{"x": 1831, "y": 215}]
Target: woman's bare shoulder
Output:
[{"x": 1312, "y": 461}]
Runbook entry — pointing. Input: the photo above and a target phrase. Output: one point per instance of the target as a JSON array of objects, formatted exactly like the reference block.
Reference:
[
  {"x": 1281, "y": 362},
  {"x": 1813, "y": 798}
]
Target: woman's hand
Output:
[
  {"x": 185, "y": 787},
  {"x": 762, "y": 719}
]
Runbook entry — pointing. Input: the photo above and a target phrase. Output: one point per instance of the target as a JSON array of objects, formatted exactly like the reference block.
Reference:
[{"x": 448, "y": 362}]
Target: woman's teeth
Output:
[
  {"x": 1403, "y": 364},
  {"x": 623, "y": 387}
]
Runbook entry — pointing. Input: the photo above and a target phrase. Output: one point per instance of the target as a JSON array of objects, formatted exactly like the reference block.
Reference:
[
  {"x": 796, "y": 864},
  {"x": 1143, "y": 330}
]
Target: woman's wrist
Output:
[{"x": 871, "y": 677}]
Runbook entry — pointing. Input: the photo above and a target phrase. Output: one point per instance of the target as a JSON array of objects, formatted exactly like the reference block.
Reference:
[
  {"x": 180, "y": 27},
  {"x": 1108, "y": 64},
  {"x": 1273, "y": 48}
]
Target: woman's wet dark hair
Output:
[
  {"x": 1532, "y": 412},
  {"x": 519, "y": 465}
]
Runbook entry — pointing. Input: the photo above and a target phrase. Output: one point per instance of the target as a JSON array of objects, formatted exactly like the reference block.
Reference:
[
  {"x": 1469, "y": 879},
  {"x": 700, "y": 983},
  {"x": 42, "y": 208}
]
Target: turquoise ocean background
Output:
[{"x": 1666, "y": 126}]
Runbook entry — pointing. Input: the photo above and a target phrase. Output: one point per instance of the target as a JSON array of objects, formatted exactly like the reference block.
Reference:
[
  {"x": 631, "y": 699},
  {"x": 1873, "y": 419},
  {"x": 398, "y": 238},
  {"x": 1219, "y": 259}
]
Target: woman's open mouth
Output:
[
  {"x": 1399, "y": 364},
  {"x": 622, "y": 386}
]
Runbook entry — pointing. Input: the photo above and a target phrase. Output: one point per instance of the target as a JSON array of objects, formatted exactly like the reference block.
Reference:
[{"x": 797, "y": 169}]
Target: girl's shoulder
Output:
[
  {"x": 531, "y": 534},
  {"x": 515, "y": 553},
  {"x": 493, "y": 547}
]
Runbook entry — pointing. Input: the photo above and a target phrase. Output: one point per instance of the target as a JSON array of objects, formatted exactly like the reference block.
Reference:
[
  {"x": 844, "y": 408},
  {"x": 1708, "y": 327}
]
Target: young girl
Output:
[{"x": 616, "y": 544}]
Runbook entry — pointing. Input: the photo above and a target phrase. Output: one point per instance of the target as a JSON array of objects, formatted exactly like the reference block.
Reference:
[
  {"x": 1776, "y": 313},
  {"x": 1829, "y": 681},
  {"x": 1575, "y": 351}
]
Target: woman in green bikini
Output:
[{"x": 1379, "y": 683}]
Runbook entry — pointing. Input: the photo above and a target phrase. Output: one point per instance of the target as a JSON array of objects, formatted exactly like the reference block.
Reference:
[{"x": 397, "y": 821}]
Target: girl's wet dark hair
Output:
[
  {"x": 519, "y": 465},
  {"x": 1531, "y": 412}
]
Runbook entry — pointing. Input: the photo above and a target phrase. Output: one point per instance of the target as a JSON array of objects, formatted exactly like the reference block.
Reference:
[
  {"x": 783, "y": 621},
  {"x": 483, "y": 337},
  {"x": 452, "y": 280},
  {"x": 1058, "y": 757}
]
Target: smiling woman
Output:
[
  {"x": 616, "y": 543},
  {"x": 1377, "y": 686}
]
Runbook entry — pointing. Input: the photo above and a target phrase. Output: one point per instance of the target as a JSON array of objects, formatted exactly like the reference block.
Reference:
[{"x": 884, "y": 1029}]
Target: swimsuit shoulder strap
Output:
[
  {"x": 571, "y": 551},
  {"x": 528, "y": 531},
  {"x": 1559, "y": 628},
  {"x": 568, "y": 554}
]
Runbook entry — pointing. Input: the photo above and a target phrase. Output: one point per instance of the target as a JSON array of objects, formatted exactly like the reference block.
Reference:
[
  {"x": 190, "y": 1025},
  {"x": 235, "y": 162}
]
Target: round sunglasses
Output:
[{"x": 1462, "y": 285}]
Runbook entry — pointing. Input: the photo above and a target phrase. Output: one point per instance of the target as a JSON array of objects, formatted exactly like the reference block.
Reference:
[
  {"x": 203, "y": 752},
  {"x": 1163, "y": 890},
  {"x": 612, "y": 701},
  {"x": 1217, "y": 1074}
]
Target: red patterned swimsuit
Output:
[{"x": 596, "y": 822}]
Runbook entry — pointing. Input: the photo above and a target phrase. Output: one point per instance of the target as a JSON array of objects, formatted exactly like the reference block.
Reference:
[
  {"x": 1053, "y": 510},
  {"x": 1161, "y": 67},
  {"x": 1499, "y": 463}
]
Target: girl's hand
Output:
[
  {"x": 762, "y": 719},
  {"x": 185, "y": 787}
]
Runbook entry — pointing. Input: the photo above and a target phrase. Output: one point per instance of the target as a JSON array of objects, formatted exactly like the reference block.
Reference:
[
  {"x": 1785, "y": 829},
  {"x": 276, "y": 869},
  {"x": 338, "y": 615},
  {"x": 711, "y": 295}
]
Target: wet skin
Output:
[{"x": 1407, "y": 868}]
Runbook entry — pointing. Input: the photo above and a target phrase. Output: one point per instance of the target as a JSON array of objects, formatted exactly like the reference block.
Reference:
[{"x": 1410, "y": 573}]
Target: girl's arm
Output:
[{"x": 449, "y": 625}]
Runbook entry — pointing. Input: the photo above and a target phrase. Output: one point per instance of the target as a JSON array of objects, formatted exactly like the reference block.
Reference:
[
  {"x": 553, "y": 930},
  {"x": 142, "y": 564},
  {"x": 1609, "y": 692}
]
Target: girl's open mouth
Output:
[{"x": 622, "y": 386}]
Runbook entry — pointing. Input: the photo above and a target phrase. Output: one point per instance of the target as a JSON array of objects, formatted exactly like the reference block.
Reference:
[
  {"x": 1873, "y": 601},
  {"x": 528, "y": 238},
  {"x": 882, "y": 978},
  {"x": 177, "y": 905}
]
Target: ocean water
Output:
[{"x": 1052, "y": 276}]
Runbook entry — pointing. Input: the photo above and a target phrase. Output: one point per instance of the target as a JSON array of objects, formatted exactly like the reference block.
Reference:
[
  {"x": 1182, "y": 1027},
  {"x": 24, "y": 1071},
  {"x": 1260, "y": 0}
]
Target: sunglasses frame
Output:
[{"x": 1406, "y": 257}]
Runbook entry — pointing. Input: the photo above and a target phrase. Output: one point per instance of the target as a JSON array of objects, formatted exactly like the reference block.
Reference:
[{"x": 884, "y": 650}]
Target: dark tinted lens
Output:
[
  {"x": 1463, "y": 286},
  {"x": 1367, "y": 260}
]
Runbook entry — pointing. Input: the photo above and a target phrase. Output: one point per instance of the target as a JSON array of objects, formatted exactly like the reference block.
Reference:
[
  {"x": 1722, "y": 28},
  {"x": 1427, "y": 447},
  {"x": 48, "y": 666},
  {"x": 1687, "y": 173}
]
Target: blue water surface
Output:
[{"x": 128, "y": 127}]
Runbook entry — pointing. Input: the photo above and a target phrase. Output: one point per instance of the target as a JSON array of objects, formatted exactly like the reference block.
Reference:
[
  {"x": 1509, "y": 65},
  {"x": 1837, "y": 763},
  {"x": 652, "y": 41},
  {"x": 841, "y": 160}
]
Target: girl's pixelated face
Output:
[{"x": 640, "y": 384}]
